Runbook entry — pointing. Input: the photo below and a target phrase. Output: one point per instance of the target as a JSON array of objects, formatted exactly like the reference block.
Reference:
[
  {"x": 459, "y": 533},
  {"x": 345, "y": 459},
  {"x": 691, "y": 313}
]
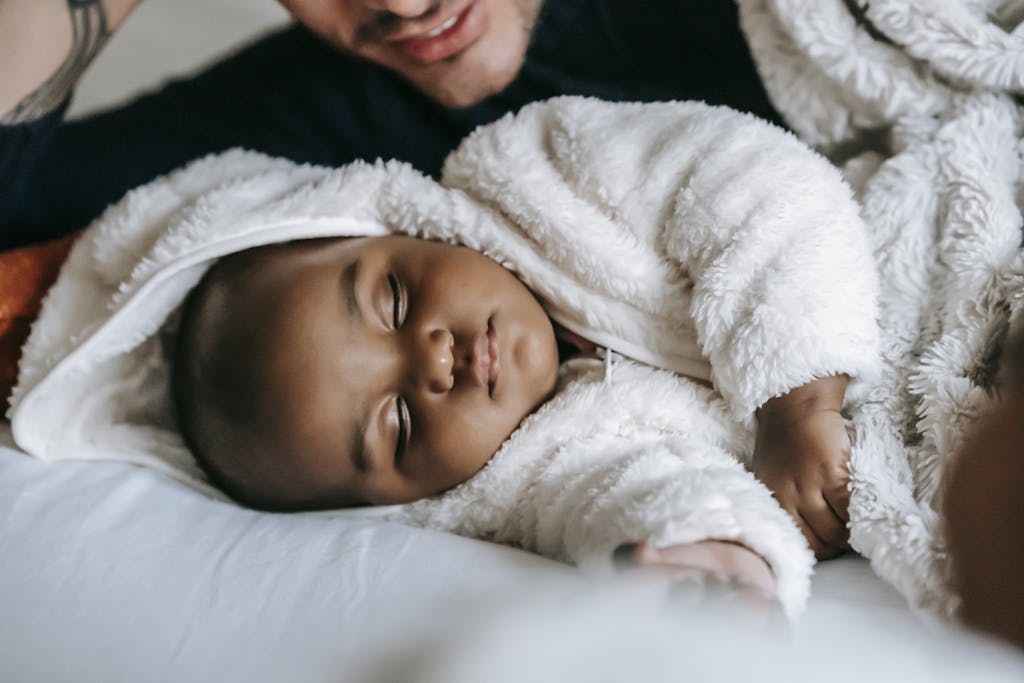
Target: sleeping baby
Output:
[{"x": 586, "y": 341}]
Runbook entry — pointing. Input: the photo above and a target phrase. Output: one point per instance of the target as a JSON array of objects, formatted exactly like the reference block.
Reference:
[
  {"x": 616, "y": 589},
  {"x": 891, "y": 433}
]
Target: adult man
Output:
[{"x": 402, "y": 79}]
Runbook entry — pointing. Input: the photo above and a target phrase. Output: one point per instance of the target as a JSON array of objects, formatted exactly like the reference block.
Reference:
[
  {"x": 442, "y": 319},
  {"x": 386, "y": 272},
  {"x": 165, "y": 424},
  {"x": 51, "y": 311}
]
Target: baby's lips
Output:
[{"x": 481, "y": 359}]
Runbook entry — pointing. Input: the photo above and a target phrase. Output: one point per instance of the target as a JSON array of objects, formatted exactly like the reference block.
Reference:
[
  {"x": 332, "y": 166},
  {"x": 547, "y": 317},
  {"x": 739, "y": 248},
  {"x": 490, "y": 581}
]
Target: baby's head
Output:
[{"x": 328, "y": 373}]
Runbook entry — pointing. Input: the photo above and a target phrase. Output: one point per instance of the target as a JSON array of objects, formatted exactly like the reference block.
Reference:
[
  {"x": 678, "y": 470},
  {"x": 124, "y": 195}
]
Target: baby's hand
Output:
[
  {"x": 802, "y": 454},
  {"x": 722, "y": 562}
]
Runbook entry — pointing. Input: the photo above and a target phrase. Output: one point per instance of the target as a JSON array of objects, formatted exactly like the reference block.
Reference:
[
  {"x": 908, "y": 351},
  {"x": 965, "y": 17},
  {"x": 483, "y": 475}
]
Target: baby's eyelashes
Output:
[
  {"x": 404, "y": 423},
  {"x": 398, "y": 310}
]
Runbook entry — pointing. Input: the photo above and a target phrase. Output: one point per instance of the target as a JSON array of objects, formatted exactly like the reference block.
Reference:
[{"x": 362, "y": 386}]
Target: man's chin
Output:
[
  {"x": 483, "y": 69},
  {"x": 466, "y": 87},
  {"x": 461, "y": 98}
]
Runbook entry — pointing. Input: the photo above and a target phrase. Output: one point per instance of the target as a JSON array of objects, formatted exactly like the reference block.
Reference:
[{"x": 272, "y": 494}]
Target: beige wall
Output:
[{"x": 163, "y": 38}]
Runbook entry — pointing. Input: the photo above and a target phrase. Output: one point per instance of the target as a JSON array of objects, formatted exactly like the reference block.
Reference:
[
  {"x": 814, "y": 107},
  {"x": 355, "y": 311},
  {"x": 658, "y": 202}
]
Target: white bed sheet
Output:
[
  {"x": 112, "y": 573},
  {"x": 109, "y": 572}
]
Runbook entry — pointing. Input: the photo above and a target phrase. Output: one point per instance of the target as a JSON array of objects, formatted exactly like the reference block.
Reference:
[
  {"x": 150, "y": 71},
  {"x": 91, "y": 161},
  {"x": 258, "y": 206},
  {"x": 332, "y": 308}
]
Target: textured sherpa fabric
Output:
[
  {"x": 705, "y": 241},
  {"x": 690, "y": 238},
  {"x": 640, "y": 454},
  {"x": 917, "y": 98}
]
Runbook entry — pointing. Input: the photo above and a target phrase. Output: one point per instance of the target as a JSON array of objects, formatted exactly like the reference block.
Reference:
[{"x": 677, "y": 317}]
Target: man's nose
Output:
[
  {"x": 432, "y": 366},
  {"x": 406, "y": 9}
]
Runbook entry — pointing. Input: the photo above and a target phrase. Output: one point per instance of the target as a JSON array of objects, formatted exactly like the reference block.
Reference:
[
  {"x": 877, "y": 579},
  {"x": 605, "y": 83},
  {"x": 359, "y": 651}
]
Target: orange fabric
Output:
[{"x": 26, "y": 275}]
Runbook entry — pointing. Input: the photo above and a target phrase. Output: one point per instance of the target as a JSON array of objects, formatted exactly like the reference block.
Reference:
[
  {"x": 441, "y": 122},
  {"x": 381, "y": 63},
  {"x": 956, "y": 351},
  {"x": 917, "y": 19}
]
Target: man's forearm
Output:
[{"x": 45, "y": 46}]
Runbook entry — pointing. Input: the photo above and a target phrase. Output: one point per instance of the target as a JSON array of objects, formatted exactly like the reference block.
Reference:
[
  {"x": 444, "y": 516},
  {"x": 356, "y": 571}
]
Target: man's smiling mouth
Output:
[{"x": 445, "y": 40}]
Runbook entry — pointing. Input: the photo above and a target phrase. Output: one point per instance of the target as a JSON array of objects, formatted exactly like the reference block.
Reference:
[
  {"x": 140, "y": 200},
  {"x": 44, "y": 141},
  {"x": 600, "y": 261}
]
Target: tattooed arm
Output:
[{"x": 45, "y": 46}]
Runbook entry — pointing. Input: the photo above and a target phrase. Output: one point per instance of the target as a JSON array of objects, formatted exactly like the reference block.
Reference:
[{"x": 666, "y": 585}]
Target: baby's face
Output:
[{"x": 393, "y": 367}]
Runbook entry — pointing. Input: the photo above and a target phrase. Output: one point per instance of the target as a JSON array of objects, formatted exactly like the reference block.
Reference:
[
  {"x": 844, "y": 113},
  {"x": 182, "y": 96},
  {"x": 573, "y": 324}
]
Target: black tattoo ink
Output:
[{"x": 89, "y": 31}]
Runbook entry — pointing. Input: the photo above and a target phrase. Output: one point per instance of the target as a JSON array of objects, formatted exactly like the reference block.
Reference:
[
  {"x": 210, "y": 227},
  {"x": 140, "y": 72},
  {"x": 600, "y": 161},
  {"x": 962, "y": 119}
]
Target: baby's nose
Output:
[{"x": 436, "y": 362}]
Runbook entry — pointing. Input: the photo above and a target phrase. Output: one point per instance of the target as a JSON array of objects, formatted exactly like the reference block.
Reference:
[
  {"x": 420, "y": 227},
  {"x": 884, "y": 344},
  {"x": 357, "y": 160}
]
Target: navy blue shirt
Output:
[{"x": 290, "y": 94}]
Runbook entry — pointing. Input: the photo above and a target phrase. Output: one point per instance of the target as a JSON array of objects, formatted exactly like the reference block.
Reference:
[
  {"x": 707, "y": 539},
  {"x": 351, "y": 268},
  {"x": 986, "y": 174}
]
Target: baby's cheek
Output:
[{"x": 466, "y": 442}]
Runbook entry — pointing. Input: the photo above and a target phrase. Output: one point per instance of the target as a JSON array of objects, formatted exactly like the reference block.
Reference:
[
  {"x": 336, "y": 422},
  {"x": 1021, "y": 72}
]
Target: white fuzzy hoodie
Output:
[{"x": 683, "y": 237}]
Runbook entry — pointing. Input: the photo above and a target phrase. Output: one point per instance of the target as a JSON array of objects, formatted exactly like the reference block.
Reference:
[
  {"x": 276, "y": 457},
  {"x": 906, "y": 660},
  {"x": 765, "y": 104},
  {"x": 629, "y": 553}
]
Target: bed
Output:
[{"x": 110, "y": 572}]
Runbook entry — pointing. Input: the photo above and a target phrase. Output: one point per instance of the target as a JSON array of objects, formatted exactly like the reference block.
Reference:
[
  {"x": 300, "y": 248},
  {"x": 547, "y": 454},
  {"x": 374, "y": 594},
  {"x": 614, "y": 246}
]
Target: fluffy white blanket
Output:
[
  {"x": 691, "y": 238},
  {"x": 919, "y": 99}
]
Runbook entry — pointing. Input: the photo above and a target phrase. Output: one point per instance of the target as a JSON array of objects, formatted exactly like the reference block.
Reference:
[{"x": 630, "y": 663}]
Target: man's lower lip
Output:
[{"x": 469, "y": 26}]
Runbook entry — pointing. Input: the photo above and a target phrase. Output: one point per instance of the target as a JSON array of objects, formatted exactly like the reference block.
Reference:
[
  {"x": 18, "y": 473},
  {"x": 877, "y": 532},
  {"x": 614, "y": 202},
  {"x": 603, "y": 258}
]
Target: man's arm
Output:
[
  {"x": 45, "y": 45},
  {"x": 287, "y": 94}
]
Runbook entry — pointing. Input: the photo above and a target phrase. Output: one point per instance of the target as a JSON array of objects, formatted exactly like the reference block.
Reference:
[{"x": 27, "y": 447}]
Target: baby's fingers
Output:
[
  {"x": 838, "y": 500},
  {"x": 826, "y": 533},
  {"x": 723, "y": 562}
]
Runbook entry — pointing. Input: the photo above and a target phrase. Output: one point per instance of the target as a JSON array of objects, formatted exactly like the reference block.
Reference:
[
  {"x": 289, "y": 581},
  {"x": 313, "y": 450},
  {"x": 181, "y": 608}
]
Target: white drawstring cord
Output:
[{"x": 608, "y": 361}]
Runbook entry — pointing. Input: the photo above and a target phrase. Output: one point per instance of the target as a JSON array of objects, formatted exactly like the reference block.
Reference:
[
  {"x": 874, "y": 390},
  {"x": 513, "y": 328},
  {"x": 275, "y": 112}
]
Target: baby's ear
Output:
[{"x": 26, "y": 275}]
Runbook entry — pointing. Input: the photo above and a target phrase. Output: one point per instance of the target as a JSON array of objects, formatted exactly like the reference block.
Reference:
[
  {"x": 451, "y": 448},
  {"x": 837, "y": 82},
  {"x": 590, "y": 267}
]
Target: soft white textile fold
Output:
[{"x": 917, "y": 98}]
